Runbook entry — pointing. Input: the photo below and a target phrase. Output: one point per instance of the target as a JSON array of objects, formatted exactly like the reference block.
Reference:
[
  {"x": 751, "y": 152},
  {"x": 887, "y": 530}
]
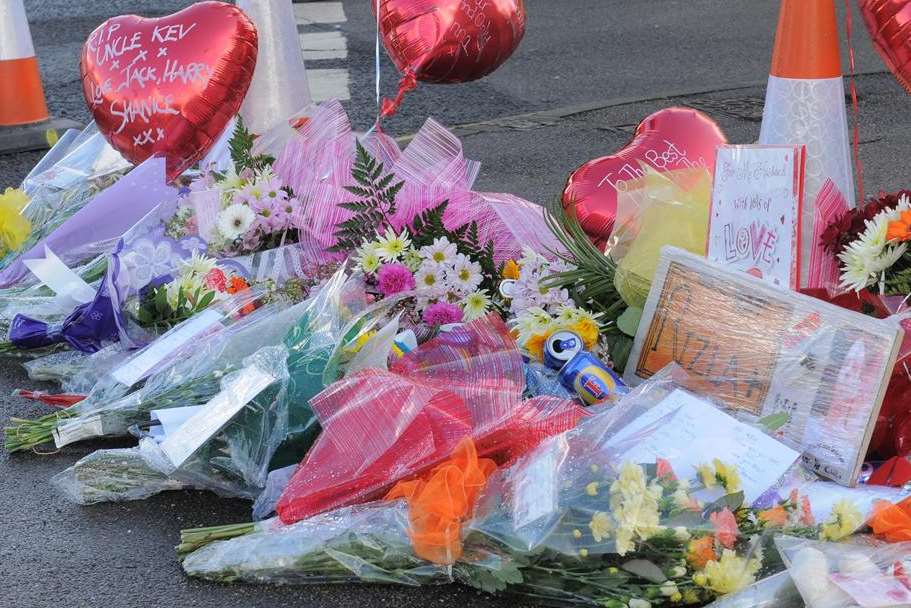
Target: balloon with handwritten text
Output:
[
  {"x": 448, "y": 41},
  {"x": 669, "y": 139},
  {"x": 168, "y": 86}
]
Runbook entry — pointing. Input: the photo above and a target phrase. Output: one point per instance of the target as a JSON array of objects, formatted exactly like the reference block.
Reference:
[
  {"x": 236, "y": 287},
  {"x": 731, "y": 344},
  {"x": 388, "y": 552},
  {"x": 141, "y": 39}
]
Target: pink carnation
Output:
[
  {"x": 215, "y": 280},
  {"x": 442, "y": 313},
  {"x": 725, "y": 524},
  {"x": 394, "y": 278}
]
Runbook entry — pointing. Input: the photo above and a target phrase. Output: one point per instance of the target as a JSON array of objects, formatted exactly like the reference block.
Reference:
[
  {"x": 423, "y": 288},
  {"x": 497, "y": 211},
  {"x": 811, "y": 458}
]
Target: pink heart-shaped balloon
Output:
[
  {"x": 889, "y": 24},
  {"x": 673, "y": 138},
  {"x": 168, "y": 86}
]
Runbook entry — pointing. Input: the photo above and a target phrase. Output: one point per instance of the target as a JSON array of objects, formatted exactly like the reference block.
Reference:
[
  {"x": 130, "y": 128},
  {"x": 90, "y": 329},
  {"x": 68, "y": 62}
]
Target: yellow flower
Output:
[
  {"x": 583, "y": 552},
  {"x": 634, "y": 507},
  {"x": 601, "y": 526},
  {"x": 690, "y": 596},
  {"x": 511, "y": 270},
  {"x": 728, "y": 476},
  {"x": 707, "y": 475},
  {"x": 588, "y": 330},
  {"x": 535, "y": 346},
  {"x": 730, "y": 574},
  {"x": 577, "y": 534},
  {"x": 14, "y": 227},
  {"x": 844, "y": 521},
  {"x": 592, "y": 488}
]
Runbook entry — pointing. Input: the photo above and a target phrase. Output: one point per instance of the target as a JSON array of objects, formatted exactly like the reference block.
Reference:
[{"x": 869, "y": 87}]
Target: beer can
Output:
[
  {"x": 593, "y": 381},
  {"x": 560, "y": 348}
]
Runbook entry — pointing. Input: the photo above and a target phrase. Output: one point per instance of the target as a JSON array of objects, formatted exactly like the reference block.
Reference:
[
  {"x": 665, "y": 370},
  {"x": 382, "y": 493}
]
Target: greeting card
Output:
[{"x": 754, "y": 224}]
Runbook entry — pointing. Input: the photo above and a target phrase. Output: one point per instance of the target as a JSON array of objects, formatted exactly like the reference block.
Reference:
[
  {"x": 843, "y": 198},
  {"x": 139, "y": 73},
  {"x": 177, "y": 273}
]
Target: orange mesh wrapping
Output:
[
  {"x": 440, "y": 501},
  {"x": 892, "y": 522}
]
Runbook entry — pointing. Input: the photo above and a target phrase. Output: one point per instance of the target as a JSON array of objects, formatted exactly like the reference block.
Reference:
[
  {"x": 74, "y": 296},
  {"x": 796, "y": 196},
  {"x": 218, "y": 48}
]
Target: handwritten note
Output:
[
  {"x": 695, "y": 432},
  {"x": 755, "y": 216}
]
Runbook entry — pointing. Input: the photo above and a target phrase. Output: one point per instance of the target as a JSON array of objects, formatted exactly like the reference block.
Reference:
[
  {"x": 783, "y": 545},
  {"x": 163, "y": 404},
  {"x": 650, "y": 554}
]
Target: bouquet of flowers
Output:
[{"x": 573, "y": 521}]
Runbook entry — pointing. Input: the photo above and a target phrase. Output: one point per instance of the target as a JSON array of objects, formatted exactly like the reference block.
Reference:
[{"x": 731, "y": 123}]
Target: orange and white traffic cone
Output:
[
  {"x": 24, "y": 119},
  {"x": 805, "y": 104}
]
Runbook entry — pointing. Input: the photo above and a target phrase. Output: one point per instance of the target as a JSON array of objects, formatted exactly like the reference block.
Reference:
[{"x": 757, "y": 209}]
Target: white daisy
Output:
[
  {"x": 440, "y": 252},
  {"x": 367, "y": 258},
  {"x": 392, "y": 246},
  {"x": 475, "y": 305},
  {"x": 231, "y": 181},
  {"x": 430, "y": 277},
  {"x": 197, "y": 264},
  {"x": 465, "y": 276},
  {"x": 866, "y": 259},
  {"x": 235, "y": 220}
]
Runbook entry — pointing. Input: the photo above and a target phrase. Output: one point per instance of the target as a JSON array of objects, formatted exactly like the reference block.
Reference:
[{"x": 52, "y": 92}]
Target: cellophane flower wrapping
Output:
[
  {"x": 864, "y": 572},
  {"x": 78, "y": 167},
  {"x": 316, "y": 161},
  {"x": 273, "y": 423},
  {"x": 380, "y": 426}
]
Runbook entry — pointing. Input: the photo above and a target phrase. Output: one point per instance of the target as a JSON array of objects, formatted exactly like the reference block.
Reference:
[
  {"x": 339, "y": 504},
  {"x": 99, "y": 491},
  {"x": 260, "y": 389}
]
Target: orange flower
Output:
[
  {"x": 892, "y": 522},
  {"x": 237, "y": 284},
  {"x": 900, "y": 229},
  {"x": 588, "y": 331},
  {"x": 535, "y": 346},
  {"x": 700, "y": 552},
  {"x": 511, "y": 270},
  {"x": 776, "y": 517}
]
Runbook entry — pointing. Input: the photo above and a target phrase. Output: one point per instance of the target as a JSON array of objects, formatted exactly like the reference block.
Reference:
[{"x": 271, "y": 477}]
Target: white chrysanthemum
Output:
[
  {"x": 866, "y": 259},
  {"x": 392, "y": 246},
  {"x": 412, "y": 259},
  {"x": 231, "y": 181},
  {"x": 441, "y": 252},
  {"x": 235, "y": 220},
  {"x": 197, "y": 264},
  {"x": 475, "y": 305},
  {"x": 429, "y": 277},
  {"x": 367, "y": 258},
  {"x": 465, "y": 276},
  {"x": 531, "y": 321}
]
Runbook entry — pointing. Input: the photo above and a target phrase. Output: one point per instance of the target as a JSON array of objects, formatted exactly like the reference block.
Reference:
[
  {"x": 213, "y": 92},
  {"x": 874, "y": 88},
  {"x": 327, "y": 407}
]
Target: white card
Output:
[
  {"x": 755, "y": 218},
  {"x": 138, "y": 367},
  {"x": 695, "y": 432}
]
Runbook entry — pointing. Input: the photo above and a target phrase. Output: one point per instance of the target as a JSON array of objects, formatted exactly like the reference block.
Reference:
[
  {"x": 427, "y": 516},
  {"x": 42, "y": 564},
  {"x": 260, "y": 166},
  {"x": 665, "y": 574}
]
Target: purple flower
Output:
[
  {"x": 442, "y": 313},
  {"x": 394, "y": 278}
]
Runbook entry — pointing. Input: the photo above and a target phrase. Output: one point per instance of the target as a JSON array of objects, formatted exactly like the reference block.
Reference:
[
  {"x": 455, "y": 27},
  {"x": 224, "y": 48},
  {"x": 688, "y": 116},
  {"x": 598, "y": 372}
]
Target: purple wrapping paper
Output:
[{"x": 104, "y": 219}]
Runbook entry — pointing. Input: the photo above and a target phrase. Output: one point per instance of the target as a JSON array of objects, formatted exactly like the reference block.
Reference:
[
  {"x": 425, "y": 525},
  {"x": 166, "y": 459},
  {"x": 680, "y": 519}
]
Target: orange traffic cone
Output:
[
  {"x": 805, "y": 104},
  {"x": 21, "y": 94}
]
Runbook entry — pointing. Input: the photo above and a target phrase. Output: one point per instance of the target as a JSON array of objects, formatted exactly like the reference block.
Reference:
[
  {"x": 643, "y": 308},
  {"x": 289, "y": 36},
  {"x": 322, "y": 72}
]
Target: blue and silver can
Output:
[
  {"x": 561, "y": 347},
  {"x": 593, "y": 381}
]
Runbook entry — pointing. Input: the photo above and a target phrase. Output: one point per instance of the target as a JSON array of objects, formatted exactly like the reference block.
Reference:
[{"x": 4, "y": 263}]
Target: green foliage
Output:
[
  {"x": 241, "y": 146},
  {"x": 155, "y": 312},
  {"x": 591, "y": 283},
  {"x": 491, "y": 580},
  {"x": 428, "y": 226},
  {"x": 376, "y": 191}
]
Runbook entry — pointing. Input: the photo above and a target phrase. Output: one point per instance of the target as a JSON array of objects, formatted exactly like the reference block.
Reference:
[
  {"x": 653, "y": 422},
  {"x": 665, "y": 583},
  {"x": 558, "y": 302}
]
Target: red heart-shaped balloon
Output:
[
  {"x": 889, "y": 24},
  {"x": 673, "y": 138},
  {"x": 450, "y": 41},
  {"x": 168, "y": 86}
]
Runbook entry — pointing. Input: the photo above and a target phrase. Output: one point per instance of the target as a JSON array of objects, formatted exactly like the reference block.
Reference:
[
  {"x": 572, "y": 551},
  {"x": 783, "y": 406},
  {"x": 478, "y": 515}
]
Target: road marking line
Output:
[
  {"x": 324, "y": 45},
  {"x": 319, "y": 12},
  {"x": 329, "y": 84}
]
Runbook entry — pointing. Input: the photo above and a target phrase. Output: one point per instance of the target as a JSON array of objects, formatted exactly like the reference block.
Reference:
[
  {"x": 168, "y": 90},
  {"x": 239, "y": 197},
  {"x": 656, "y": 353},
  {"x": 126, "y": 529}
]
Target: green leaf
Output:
[
  {"x": 645, "y": 569},
  {"x": 206, "y": 300},
  {"x": 773, "y": 422},
  {"x": 729, "y": 501},
  {"x": 628, "y": 321}
]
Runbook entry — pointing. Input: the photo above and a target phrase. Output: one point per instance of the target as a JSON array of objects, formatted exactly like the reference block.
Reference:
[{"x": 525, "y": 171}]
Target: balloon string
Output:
[{"x": 858, "y": 165}]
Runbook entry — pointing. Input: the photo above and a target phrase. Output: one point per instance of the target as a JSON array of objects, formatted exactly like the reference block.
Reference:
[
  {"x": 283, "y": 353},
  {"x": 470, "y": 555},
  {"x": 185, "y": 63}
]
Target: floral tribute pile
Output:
[{"x": 398, "y": 372}]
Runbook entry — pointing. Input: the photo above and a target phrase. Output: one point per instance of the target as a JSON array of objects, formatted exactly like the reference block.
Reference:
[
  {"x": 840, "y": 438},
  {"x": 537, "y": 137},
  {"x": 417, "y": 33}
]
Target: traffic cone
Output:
[
  {"x": 279, "y": 87},
  {"x": 805, "y": 104},
  {"x": 24, "y": 120}
]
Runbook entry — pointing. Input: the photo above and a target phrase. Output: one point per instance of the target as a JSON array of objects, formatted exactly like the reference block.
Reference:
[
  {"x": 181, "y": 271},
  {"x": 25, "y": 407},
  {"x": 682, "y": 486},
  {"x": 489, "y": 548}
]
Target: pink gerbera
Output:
[
  {"x": 394, "y": 278},
  {"x": 442, "y": 313},
  {"x": 216, "y": 280}
]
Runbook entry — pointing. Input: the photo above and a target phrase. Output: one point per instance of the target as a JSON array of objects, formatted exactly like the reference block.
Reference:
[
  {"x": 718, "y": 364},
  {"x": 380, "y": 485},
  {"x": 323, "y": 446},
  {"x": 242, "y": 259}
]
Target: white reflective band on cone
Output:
[
  {"x": 15, "y": 37},
  {"x": 811, "y": 112},
  {"x": 279, "y": 87}
]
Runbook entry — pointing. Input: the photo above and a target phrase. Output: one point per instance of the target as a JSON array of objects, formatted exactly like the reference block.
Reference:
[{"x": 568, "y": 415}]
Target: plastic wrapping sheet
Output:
[
  {"x": 776, "y": 591},
  {"x": 225, "y": 446},
  {"x": 74, "y": 371},
  {"x": 843, "y": 575},
  {"x": 382, "y": 426},
  {"x": 70, "y": 174},
  {"x": 316, "y": 162}
]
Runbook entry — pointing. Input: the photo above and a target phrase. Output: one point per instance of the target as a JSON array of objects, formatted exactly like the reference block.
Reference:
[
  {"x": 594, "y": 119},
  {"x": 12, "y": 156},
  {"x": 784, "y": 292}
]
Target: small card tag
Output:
[
  {"x": 78, "y": 429},
  {"x": 140, "y": 365}
]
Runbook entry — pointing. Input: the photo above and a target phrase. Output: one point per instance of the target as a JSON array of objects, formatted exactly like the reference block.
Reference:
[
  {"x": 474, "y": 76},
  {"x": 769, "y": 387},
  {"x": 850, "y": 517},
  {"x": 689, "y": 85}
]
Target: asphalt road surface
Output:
[{"x": 586, "y": 73}]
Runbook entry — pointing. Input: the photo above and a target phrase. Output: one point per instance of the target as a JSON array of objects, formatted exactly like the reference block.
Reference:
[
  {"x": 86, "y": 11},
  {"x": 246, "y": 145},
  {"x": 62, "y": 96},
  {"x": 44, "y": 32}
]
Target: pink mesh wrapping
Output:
[
  {"x": 316, "y": 162},
  {"x": 380, "y": 427},
  {"x": 823, "y": 272}
]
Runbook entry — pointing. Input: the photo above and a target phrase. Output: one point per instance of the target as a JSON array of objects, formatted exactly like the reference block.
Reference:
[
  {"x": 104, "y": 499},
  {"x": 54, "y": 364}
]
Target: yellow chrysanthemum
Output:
[
  {"x": 706, "y": 475},
  {"x": 511, "y": 270},
  {"x": 730, "y": 574},
  {"x": 588, "y": 330},
  {"x": 14, "y": 227},
  {"x": 843, "y": 522},
  {"x": 601, "y": 526},
  {"x": 728, "y": 476}
]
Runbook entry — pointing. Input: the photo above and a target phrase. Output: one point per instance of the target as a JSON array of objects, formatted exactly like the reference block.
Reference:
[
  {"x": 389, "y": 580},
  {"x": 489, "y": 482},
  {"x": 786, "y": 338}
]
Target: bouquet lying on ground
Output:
[{"x": 573, "y": 521}]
